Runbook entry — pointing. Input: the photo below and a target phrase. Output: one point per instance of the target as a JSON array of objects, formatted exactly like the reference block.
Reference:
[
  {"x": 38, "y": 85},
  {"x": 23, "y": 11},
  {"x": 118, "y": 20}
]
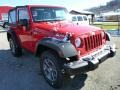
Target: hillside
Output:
[{"x": 113, "y": 5}]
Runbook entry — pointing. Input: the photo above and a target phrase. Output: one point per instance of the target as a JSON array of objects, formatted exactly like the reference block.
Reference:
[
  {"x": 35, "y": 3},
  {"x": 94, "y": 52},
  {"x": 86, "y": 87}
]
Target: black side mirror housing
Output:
[
  {"x": 23, "y": 22},
  {"x": 5, "y": 24}
]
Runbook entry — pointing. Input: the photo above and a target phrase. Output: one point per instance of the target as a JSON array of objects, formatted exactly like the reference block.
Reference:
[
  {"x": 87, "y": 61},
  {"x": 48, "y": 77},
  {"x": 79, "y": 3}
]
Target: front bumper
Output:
[{"x": 91, "y": 61}]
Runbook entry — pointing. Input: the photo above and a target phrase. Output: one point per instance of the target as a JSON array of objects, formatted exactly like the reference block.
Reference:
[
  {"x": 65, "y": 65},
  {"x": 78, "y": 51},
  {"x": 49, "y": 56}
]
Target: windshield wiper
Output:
[{"x": 60, "y": 19}]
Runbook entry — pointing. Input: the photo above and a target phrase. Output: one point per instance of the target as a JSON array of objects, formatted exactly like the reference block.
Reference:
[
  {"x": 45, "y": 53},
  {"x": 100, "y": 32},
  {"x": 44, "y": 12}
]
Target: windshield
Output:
[
  {"x": 48, "y": 14},
  {"x": 74, "y": 18},
  {"x": 80, "y": 18}
]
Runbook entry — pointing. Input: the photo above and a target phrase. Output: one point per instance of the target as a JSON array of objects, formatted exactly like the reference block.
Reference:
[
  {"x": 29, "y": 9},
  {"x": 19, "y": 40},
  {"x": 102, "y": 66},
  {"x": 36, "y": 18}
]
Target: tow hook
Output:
[{"x": 112, "y": 51}]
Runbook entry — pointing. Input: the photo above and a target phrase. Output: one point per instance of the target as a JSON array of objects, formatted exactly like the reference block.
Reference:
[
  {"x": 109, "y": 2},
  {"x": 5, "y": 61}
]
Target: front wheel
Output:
[
  {"x": 112, "y": 53},
  {"x": 51, "y": 68}
]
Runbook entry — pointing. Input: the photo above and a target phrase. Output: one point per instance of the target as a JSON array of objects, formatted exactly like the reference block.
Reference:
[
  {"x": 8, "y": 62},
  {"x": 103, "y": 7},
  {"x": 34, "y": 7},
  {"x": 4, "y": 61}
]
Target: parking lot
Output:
[{"x": 24, "y": 73}]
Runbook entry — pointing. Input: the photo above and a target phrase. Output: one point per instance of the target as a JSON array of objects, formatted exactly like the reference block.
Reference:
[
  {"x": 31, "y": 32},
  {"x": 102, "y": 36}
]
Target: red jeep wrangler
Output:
[{"x": 63, "y": 48}]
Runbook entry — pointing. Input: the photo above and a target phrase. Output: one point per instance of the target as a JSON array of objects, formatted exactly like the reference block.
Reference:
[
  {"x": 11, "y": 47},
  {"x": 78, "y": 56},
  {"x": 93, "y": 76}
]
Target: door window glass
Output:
[
  {"x": 12, "y": 17},
  {"x": 23, "y": 14}
]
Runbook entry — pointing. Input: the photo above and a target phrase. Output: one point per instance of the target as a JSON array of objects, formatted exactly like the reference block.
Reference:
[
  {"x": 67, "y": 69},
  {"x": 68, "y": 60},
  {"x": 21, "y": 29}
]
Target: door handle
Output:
[{"x": 34, "y": 32}]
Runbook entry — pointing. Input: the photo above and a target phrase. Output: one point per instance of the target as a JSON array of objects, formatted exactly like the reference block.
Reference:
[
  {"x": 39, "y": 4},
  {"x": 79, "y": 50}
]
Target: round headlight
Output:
[
  {"x": 103, "y": 34},
  {"x": 77, "y": 42}
]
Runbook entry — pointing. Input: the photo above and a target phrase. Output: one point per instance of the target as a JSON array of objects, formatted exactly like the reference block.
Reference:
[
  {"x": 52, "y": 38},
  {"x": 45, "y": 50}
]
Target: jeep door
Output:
[{"x": 24, "y": 31}]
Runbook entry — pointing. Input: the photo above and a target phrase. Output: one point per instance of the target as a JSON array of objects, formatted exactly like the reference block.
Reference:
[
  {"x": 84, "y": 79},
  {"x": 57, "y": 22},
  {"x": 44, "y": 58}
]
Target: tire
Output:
[
  {"x": 51, "y": 68},
  {"x": 14, "y": 47}
]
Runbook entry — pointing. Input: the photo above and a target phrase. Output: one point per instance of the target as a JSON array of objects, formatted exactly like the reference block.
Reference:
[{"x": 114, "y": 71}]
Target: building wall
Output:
[{"x": 4, "y": 12}]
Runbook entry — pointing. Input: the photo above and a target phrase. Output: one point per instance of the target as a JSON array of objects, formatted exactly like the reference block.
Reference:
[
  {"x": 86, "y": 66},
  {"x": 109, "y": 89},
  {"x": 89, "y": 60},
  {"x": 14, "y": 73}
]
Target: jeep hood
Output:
[{"x": 65, "y": 27}]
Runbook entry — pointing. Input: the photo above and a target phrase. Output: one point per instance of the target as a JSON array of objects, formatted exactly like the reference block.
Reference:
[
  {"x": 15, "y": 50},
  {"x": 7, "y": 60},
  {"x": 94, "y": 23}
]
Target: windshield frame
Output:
[{"x": 48, "y": 20}]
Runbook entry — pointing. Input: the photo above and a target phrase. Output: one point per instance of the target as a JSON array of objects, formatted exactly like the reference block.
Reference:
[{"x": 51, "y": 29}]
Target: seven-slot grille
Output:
[{"x": 93, "y": 41}]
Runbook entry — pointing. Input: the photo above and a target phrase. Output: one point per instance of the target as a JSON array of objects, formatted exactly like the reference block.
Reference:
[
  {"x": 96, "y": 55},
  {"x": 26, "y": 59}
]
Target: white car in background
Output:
[{"x": 80, "y": 19}]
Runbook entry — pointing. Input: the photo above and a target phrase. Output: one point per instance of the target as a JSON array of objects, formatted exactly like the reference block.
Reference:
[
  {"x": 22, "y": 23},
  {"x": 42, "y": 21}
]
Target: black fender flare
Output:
[
  {"x": 64, "y": 49},
  {"x": 108, "y": 36},
  {"x": 12, "y": 34}
]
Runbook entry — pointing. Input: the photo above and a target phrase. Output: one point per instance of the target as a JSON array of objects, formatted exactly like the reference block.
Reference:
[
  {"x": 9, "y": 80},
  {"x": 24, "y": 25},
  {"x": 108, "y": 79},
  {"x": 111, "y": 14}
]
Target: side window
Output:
[
  {"x": 23, "y": 14},
  {"x": 12, "y": 17},
  {"x": 80, "y": 18}
]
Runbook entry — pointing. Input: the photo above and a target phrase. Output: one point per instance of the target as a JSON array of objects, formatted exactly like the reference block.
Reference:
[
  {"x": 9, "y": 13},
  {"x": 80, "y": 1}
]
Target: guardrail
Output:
[
  {"x": 111, "y": 27},
  {"x": 107, "y": 25}
]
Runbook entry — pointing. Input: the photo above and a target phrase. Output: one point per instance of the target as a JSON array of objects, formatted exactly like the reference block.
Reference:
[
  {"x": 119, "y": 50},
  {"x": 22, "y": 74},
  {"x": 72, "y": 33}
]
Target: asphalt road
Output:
[{"x": 24, "y": 73}]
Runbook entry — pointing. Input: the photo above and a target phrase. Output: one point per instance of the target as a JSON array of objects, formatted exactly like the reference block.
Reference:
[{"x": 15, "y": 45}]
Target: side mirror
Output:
[
  {"x": 23, "y": 22},
  {"x": 5, "y": 25}
]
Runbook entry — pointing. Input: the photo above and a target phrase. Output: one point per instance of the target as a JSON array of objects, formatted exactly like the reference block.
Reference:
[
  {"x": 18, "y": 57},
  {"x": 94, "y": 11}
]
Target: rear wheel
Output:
[
  {"x": 51, "y": 67},
  {"x": 15, "y": 49}
]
